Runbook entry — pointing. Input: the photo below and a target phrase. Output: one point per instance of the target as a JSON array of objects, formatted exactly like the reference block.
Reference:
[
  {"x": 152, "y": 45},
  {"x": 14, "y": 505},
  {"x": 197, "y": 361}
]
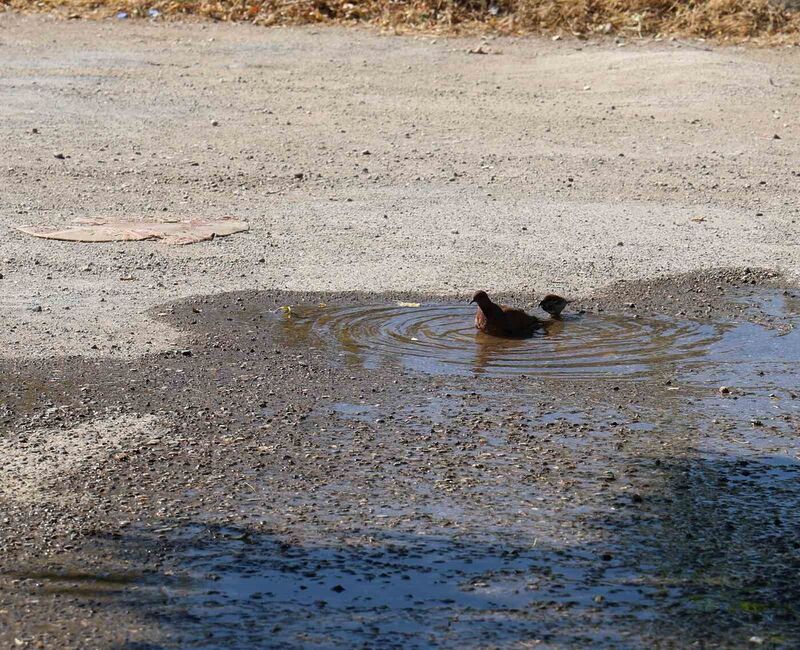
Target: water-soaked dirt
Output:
[{"x": 346, "y": 470}]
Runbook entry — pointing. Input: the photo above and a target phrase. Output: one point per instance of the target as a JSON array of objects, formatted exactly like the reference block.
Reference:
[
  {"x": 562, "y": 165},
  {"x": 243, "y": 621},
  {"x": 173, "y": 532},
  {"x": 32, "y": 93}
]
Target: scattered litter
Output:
[
  {"x": 408, "y": 304},
  {"x": 153, "y": 13},
  {"x": 698, "y": 219},
  {"x": 122, "y": 15},
  {"x": 176, "y": 232}
]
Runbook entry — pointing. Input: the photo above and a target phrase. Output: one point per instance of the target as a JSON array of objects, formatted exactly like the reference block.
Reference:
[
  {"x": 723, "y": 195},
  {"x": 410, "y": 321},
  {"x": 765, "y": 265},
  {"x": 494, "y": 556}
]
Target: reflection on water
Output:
[
  {"x": 442, "y": 339},
  {"x": 751, "y": 356},
  {"x": 398, "y": 590},
  {"x": 672, "y": 519}
]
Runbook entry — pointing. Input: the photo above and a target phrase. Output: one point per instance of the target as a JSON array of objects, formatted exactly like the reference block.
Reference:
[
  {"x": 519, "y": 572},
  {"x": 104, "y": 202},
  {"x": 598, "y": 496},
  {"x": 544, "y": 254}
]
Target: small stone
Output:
[
  {"x": 338, "y": 589},
  {"x": 298, "y": 175},
  {"x": 366, "y": 152},
  {"x": 214, "y": 123},
  {"x": 36, "y": 308},
  {"x": 724, "y": 390},
  {"x": 606, "y": 557},
  {"x": 776, "y": 137},
  {"x": 59, "y": 156}
]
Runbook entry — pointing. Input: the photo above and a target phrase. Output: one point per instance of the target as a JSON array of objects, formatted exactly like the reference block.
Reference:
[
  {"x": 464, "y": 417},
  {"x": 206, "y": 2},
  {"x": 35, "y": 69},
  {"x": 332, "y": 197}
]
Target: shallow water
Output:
[
  {"x": 442, "y": 339},
  {"x": 399, "y": 590},
  {"x": 454, "y": 535},
  {"x": 481, "y": 586}
]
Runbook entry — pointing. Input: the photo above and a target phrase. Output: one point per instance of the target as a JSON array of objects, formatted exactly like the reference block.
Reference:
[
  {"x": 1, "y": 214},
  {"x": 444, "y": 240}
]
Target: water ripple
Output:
[{"x": 442, "y": 339}]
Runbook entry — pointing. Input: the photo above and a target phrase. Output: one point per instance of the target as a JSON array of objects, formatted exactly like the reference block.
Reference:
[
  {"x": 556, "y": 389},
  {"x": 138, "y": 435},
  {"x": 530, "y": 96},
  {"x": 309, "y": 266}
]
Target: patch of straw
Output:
[{"x": 733, "y": 20}]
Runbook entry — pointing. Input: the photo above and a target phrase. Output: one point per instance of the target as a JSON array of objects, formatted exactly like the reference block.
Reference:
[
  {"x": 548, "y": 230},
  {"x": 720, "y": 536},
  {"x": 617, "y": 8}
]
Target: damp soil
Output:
[{"x": 343, "y": 470}]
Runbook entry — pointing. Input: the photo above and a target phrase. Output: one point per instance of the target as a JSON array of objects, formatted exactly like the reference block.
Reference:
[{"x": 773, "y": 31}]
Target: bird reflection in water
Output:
[{"x": 495, "y": 351}]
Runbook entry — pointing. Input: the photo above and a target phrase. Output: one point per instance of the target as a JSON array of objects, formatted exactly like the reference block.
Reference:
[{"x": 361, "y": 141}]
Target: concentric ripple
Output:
[{"x": 442, "y": 339}]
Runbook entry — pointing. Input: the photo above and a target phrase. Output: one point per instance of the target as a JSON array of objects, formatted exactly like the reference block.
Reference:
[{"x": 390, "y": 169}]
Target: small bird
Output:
[
  {"x": 554, "y": 304},
  {"x": 502, "y": 320}
]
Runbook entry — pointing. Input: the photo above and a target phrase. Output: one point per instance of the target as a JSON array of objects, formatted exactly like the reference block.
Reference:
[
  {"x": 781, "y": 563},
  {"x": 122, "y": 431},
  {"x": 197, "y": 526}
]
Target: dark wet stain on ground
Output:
[{"x": 360, "y": 475}]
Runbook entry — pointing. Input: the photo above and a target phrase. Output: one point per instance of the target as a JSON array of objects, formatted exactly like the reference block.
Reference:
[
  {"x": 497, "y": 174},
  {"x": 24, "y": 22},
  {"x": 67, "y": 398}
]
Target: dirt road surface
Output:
[
  {"x": 293, "y": 437},
  {"x": 542, "y": 166}
]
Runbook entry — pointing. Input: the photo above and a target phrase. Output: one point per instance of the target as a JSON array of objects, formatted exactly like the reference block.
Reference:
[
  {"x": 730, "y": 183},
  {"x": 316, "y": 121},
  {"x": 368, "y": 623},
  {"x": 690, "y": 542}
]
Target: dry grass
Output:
[{"x": 732, "y": 20}]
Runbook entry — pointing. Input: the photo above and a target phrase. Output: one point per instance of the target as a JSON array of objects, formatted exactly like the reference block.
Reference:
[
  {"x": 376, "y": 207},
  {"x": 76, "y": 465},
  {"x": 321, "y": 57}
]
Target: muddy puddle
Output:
[
  {"x": 613, "y": 482},
  {"x": 442, "y": 339},
  {"x": 394, "y": 590},
  {"x": 550, "y": 522}
]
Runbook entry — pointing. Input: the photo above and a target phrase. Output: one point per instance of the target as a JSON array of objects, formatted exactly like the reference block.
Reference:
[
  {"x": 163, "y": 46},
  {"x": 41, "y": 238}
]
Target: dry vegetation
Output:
[{"x": 735, "y": 20}]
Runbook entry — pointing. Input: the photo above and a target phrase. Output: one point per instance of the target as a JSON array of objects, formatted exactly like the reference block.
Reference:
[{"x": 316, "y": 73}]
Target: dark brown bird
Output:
[
  {"x": 554, "y": 304},
  {"x": 502, "y": 320}
]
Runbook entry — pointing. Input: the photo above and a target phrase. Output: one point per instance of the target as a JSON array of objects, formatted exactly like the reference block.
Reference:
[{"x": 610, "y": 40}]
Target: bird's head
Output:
[{"x": 481, "y": 297}]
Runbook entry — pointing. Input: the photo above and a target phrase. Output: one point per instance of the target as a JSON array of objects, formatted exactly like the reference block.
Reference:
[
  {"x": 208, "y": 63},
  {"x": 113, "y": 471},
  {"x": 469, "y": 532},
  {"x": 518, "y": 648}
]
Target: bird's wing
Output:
[{"x": 517, "y": 320}]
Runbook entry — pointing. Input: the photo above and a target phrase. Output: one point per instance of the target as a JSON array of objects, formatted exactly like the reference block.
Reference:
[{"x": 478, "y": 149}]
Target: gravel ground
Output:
[
  {"x": 185, "y": 464},
  {"x": 220, "y": 494},
  {"x": 542, "y": 166}
]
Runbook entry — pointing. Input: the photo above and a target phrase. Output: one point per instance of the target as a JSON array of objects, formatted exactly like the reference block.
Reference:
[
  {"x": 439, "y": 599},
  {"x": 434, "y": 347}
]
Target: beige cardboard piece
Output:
[{"x": 188, "y": 231}]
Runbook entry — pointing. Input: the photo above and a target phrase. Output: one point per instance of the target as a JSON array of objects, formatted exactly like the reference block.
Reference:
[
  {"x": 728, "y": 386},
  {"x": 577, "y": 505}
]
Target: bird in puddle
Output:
[
  {"x": 502, "y": 320},
  {"x": 554, "y": 304}
]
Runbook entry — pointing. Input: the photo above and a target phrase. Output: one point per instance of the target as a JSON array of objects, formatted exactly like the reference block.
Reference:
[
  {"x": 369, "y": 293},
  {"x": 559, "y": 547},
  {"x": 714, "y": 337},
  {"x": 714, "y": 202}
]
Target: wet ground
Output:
[{"x": 350, "y": 470}]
